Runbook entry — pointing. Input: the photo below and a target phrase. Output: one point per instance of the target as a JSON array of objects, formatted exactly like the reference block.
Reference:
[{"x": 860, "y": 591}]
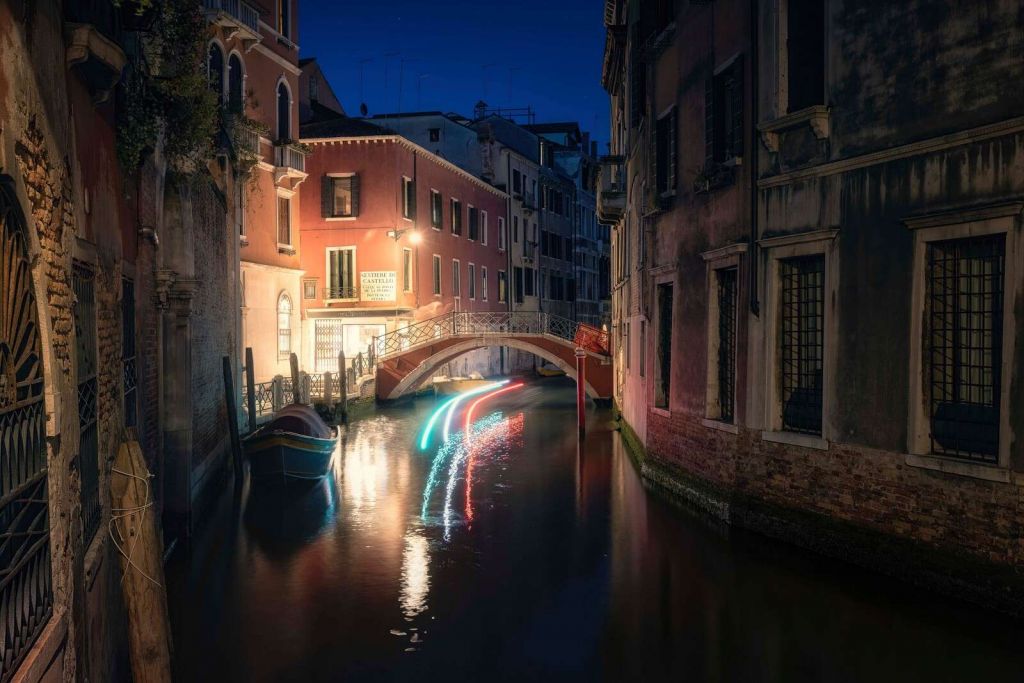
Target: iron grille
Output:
[
  {"x": 726, "y": 344},
  {"x": 663, "y": 387},
  {"x": 26, "y": 589},
  {"x": 965, "y": 320},
  {"x": 328, "y": 341},
  {"x": 128, "y": 361},
  {"x": 803, "y": 342},
  {"x": 85, "y": 358}
]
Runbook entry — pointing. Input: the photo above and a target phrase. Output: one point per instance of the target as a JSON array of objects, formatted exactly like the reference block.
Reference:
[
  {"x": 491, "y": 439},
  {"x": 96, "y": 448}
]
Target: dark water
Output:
[{"x": 554, "y": 564}]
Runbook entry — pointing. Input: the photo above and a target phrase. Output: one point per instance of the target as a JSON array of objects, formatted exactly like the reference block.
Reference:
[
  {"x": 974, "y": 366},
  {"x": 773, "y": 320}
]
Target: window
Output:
[
  {"x": 408, "y": 198},
  {"x": 804, "y": 84},
  {"x": 340, "y": 196},
  {"x": 643, "y": 348},
  {"x": 722, "y": 349},
  {"x": 236, "y": 75},
  {"x": 723, "y": 114},
  {"x": 502, "y": 286},
  {"x": 437, "y": 274},
  {"x": 502, "y": 237},
  {"x": 666, "y": 153},
  {"x": 964, "y": 298},
  {"x": 341, "y": 273},
  {"x": 456, "y": 217},
  {"x": 86, "y": 362},
  {"x": 435, "y": 134},
  {"x": 483, "y": 228},
  {"x": 284, "y": 221},
  {"x": 215, "y": 71},
  {"x": 474, "y": 223},
  {"x": 284, "y": 18},
  {"x": 284, "y": 108},
  {"x": 517, "y": 284},
  {"x": 529, "y": 279},
  {"x": 284, "y": 326},
  {"x": 471, "y": 278},
  {"x": 802, "y": 342},
  {"x": 483, "y": 283},
  {"x": 436, "y": 210},
  {"x": 309, "y": 289},
  {"x": 129, "y": 372},
  {"x": 456, "y": 278},
  {"x": 406, "y": 269},
  {"x": 515, "y": 229},
  {"x": 517, "y": 181}
]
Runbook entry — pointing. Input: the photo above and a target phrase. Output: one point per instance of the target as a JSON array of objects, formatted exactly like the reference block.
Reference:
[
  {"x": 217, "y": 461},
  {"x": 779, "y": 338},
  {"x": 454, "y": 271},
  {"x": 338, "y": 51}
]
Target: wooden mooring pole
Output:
[
  {"x": 250, "y": 388},
  {"x": 296, "y": 386},
  {"x": 343, "y": 384},
  {"x": 231, "y": 400}
]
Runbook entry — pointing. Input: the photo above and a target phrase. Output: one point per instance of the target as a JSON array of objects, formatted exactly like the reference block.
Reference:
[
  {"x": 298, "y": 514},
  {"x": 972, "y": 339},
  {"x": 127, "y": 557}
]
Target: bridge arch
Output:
[{"x": 442, "y": 352}]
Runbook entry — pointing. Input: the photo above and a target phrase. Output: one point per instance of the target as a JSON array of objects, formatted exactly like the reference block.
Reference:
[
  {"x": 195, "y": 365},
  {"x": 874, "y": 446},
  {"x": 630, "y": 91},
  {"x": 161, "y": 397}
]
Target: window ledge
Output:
[
  {"x": 664, "y": 412},
  {"x": 328, "y": 302},
  {"x": 721, "y": 426},
  {"x": 242, "y": 241},
  {"x": 974, "y": 470},
  {"x": 331, "y": 219},
  {"x": 281, "y": 249},
  {"x": 795, "y": 439},
  {"x": 816, "y": 116}
]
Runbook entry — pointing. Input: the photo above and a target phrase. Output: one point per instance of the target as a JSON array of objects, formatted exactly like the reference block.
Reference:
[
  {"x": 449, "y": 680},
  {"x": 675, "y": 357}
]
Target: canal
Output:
[{"x": 512, "y": 554}]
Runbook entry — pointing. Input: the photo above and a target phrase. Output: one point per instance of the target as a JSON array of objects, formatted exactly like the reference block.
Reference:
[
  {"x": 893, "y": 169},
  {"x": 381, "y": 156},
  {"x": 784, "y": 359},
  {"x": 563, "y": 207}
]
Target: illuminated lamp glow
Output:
[
  {"x": 474, "y": 404},
  {"x": 452, "y": 405}
]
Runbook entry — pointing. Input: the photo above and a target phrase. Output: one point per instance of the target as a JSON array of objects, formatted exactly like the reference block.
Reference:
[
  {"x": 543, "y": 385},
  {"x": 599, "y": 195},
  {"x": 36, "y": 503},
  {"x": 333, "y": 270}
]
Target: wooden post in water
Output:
[
  {"x": 296, "y": 386},
  {"x": 328, "y": 389},
  {"x": 581, "y": 396},
  {"x": 231, "y": 398},
  {"x": 343, "y": 383},
  {"x": 250, "y": 388}
]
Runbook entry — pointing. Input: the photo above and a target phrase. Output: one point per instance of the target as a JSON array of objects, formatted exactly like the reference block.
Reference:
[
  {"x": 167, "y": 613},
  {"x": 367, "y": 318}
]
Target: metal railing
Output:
[
  {"x": 243, "y": 12},
  {"x": 289, "y": 155},
  {"x": 246, "y": 139},
  {"x": 340, "y": 293},
  {"x": 490, "y": 324}
]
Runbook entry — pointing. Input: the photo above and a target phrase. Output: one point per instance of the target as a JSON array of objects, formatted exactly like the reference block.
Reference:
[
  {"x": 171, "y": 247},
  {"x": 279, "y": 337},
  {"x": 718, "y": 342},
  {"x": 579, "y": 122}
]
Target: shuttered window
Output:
[
  {"x": 723, "y": 115},
  {"x": 436, "y": 210},
  {"x": 340, "y": 196},
  {"x": 666, "y": 153},
  {"x": 474, "y": 223}
]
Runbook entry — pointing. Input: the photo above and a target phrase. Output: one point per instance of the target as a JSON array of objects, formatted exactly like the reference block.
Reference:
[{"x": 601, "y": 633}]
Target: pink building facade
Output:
[{"x": 393, "y": 234}]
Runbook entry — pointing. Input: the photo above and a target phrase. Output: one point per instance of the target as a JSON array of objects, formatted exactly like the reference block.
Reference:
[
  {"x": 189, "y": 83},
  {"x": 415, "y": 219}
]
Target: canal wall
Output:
[{"x": 752, "y": 485}]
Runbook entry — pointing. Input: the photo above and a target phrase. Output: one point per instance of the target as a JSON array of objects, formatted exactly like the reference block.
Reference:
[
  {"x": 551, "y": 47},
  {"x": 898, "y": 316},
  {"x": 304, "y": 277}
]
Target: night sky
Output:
[{"x": 540, "y": 53}]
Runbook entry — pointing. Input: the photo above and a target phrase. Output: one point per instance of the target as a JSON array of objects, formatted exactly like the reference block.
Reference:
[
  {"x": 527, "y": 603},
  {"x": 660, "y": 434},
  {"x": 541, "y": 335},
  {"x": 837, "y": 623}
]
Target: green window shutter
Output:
[{"x": 327, "y": 196}]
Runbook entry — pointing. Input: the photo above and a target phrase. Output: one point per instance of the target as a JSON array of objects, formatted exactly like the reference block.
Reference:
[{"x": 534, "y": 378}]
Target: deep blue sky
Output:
[{"x": 540, "y": 53}]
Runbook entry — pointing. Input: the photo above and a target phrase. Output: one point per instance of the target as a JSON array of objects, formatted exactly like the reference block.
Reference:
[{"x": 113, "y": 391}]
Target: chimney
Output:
[
  {"x": 480, "y": 109},
  {"x": 593, "y": 148}
]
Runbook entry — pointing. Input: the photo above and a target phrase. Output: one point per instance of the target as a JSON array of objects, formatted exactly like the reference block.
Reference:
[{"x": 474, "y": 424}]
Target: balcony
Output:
[
  {"x": 611, "y": 190},
  {"x": 339, "y": 294},
  {"x": 239, "y": 19},
  {"x": 246, "y": 141},
  {"x": 289, "y": 162}
]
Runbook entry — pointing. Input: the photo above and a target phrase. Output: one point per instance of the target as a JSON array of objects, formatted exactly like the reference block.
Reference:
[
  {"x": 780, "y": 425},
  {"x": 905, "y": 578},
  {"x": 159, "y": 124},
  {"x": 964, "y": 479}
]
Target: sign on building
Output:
[{"x": 377, "y": 285}]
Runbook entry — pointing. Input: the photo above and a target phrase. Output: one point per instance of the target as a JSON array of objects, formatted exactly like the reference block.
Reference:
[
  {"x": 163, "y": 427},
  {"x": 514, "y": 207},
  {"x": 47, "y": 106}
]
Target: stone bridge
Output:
[{"x": 409, "y": 356}]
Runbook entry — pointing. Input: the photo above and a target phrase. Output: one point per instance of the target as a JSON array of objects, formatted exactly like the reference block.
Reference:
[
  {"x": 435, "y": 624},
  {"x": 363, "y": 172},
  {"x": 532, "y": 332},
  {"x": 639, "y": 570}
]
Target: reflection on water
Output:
[{"x": 513, "y": 552}]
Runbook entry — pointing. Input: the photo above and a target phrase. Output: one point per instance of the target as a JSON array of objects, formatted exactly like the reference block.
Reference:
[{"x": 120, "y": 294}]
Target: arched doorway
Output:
[{"x": 26, "y": 591}]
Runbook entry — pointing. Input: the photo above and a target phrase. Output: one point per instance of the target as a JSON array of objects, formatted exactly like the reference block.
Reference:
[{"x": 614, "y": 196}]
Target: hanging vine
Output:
[{"x": 167, "y": 99}]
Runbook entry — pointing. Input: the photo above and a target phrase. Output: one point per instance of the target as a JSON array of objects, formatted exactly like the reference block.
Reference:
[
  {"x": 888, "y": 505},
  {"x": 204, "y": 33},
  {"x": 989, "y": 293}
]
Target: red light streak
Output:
[
  {"x": 469, "y": 412},
  {"x": 472, "y": 451}
]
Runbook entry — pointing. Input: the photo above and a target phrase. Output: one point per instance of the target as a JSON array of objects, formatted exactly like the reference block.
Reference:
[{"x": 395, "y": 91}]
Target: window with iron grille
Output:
[
  {"x": 85, "y": 364},
  {"x": 26, "y": 588},
  {"x": 666, "y": 153},
  {"x": 726, "y": 280},
  {"x": 965, "y": 326},
  {"x": 129, "y": 369},
  {"x": 663, "y": 387},
  {"x": 284, "y": 326},
  {"x": 802, "y": 342},
  {"x": 723, "y": 115}
]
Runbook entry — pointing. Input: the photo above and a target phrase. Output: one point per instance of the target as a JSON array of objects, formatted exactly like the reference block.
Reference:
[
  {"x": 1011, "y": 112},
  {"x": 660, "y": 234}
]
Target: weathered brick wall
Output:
[{"x": 213, "y": 310}]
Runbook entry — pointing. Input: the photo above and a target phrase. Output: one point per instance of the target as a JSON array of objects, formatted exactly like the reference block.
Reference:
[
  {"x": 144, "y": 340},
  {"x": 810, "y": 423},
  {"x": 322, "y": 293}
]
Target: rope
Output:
[{"x": 121, "y": 513}]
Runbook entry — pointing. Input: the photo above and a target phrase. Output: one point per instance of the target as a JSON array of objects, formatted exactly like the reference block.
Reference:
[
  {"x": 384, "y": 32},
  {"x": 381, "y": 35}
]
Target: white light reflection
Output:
[{"x": 415, "y": 575}]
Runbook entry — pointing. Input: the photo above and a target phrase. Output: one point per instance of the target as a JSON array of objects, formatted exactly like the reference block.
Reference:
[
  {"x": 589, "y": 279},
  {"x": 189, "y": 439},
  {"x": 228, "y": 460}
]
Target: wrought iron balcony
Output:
[
  {"x": 340, "y": 293},
  {"x": 611, "y": 189},
  {"x": 239, "y": 18},
  {"x": 246, "y": 140}
]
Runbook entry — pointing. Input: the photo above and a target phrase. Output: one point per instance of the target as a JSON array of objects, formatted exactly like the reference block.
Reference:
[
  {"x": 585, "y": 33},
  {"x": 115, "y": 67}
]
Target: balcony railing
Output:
[
  {"x": 244, "y": 14},
  {"x": 289, "y": 155},
  {"x": 611, "y": 189},
  {"x": 333, "y": 293},
  {"x": 246, "y": 140}
]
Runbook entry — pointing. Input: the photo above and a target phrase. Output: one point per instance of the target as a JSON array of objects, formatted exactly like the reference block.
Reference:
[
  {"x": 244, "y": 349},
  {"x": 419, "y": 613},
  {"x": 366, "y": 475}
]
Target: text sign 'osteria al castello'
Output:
[{"x": 377, "y": 285}]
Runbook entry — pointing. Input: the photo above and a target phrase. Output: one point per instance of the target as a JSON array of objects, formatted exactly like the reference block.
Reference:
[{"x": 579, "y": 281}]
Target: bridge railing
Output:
[{"x": 461, "y": 323}]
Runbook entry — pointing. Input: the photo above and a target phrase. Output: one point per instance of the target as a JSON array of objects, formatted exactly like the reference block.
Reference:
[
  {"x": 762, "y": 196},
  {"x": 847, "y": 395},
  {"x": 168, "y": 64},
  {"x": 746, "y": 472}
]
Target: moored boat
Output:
[{"x": 296, "y": 444}]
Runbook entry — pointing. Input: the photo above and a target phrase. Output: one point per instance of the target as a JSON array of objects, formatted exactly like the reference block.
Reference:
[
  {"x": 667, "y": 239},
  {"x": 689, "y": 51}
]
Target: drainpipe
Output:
[{"x": 755, "y": 145}]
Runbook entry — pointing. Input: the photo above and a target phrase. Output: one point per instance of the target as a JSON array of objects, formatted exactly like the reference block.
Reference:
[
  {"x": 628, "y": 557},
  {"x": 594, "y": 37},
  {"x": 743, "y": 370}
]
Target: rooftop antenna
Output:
[{"x": 387, "y": 65}]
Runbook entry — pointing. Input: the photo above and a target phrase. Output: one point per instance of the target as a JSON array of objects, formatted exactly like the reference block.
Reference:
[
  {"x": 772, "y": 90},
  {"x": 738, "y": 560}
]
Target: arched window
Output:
[
  {"x": 284, "y": 326},
  {"x": 284, "y": 106},
  {"x": 235, "y": 78},
  {"x": 215, "y": 71}
]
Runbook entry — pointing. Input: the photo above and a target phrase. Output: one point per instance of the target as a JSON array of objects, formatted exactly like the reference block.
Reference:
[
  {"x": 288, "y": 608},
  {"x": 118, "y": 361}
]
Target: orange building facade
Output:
[{"x": 393, "y": 234}]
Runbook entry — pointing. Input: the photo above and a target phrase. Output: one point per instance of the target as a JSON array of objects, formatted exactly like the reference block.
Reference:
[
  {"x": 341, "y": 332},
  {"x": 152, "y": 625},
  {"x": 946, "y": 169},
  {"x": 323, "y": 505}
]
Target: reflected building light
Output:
[
  {"x": 365, "y": 473},
  {"x": 415, "y": 575}
]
